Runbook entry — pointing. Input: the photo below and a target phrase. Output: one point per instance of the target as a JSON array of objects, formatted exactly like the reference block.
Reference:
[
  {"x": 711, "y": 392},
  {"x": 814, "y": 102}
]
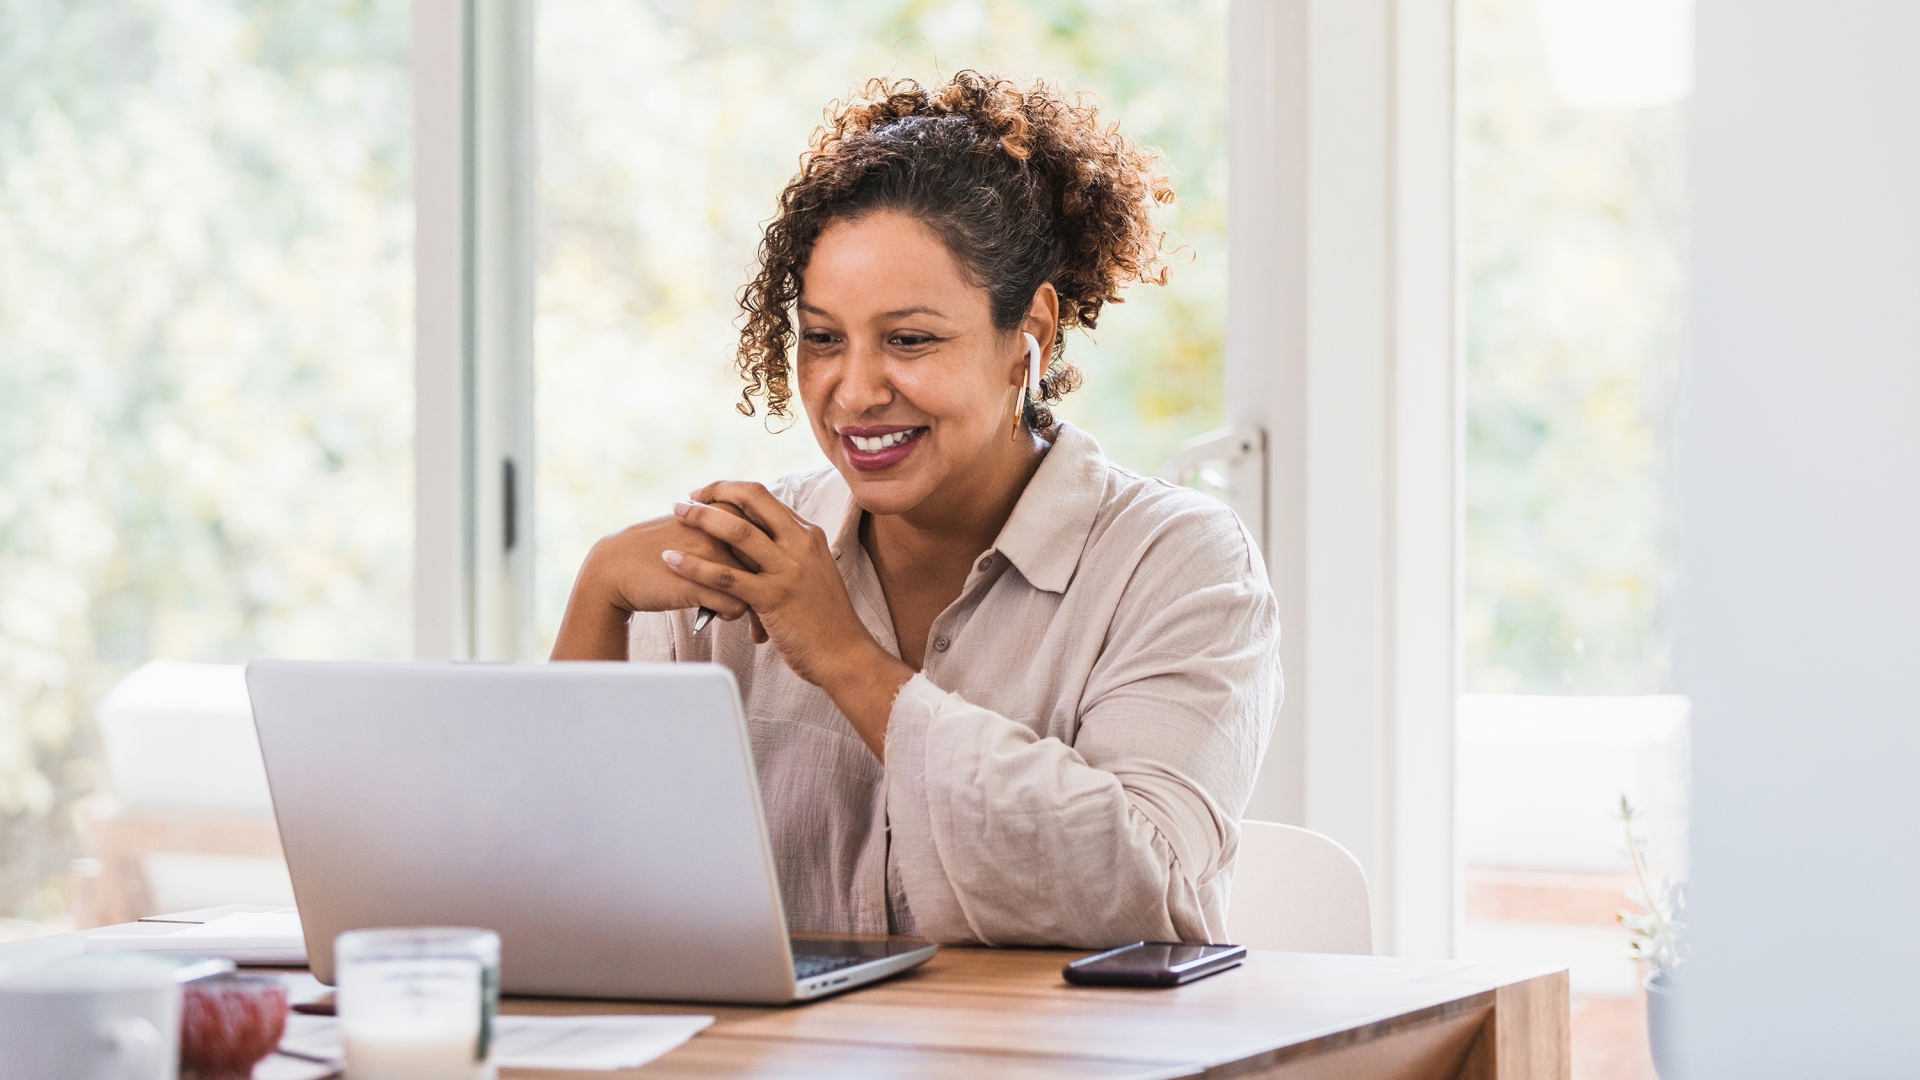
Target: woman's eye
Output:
[
  {"x": 913, "y": 341},
  {"x": 817, "y": 337}
]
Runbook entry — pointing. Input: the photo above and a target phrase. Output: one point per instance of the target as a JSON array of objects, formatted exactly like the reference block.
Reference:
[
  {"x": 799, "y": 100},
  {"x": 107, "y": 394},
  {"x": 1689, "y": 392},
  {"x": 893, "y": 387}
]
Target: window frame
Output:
[
  {"x": 1342, "y": 343},
  {"x": 473, "y": 341}
]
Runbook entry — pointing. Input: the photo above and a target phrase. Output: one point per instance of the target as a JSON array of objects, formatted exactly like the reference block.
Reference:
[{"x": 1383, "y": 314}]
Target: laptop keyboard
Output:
[{"x": 807, "y": 966}]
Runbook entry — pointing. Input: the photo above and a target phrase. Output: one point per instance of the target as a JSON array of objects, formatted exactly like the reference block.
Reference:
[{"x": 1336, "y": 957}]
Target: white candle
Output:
[
  {"x": 409, "y": 1054},
  {"x": 413, "y": 1002}
]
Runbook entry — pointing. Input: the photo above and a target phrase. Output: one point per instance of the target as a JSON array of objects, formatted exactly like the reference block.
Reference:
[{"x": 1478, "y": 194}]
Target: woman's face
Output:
[{"x": 911, "y": 391}]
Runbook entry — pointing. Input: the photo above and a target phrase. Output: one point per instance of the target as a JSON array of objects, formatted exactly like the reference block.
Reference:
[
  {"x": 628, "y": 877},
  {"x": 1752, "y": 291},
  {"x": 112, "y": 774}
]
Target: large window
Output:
[
  {"x": 666, "y": 131},
  {"x": 206, "y": 412}
]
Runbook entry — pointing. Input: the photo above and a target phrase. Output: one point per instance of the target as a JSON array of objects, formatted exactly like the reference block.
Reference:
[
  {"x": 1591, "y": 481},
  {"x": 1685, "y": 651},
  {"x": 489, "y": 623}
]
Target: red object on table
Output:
[{"x": 228, "y": 1023}]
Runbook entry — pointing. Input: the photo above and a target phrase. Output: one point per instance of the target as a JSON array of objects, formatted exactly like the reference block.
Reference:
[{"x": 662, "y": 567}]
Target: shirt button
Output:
[
  {"x": 986, "y": 562},
  {"x": 940, "y": 643}
]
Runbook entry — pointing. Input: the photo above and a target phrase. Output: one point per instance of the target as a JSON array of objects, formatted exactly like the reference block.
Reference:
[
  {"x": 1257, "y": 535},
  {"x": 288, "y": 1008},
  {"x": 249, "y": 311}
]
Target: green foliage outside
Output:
[
  {"x": 1573, "y": 243},
  {"x": 206, "y": 384}
]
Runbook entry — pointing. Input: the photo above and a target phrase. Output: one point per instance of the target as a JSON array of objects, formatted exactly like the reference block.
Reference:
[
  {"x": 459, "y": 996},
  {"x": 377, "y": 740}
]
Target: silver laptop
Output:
[{"x": 604, "y": 819}]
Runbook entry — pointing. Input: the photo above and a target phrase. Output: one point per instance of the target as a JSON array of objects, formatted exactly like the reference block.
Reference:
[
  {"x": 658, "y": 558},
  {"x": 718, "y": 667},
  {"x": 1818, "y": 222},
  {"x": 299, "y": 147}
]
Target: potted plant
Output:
[{"x": 1656, "y": 928}]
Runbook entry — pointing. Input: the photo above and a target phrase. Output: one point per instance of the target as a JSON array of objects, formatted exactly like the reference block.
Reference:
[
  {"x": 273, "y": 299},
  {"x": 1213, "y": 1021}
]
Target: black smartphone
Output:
[{"x": 1153, "y": 963}]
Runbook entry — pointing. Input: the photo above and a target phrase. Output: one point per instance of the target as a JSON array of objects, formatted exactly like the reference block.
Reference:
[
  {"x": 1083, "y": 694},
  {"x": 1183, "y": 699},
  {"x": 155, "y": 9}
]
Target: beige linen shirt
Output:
[{"x": 1070, "y": 766}]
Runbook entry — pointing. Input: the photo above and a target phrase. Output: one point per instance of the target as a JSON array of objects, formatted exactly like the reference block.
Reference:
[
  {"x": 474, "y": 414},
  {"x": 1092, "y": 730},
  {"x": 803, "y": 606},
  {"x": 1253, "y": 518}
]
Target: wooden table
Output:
[{"x": 1006, "y": 1013}]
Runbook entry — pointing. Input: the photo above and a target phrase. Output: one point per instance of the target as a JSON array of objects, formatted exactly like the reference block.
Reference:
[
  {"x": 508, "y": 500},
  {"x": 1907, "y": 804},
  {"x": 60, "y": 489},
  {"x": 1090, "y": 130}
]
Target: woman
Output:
[{"x": 1000, "y": 690}]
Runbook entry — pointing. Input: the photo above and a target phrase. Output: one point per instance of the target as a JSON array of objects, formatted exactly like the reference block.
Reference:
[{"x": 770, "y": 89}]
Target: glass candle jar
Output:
[{"x": 417, "y": 1004}]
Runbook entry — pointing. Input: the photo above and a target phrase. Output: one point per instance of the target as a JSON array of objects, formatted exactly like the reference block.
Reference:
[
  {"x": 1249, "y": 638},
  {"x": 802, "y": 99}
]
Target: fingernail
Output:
[
  {"x": 673, "y": 557},
  {"x": 680, "y": 509}
]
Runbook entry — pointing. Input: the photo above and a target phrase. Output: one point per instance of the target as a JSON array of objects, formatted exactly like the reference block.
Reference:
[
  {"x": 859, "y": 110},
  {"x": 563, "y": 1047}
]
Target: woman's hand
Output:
[
  {"x": 795, "y": 591},
  {"x": 624, "y": 574}
]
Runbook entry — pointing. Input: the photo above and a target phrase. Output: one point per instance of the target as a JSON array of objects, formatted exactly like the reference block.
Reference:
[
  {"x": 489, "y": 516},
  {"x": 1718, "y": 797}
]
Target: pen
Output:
[{"x": 706, "y": 614}]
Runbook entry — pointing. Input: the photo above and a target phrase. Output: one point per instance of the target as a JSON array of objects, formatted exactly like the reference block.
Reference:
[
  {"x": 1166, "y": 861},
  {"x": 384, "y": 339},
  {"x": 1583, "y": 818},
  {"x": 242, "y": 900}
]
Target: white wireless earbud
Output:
[{"x": 1033, "y": 368}]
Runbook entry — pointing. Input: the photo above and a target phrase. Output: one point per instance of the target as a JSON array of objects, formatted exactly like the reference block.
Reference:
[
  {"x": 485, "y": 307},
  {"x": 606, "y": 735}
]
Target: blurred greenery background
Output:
[
  {"x": 206, "y": 392},
  {"x": 1573, "y": 230}
]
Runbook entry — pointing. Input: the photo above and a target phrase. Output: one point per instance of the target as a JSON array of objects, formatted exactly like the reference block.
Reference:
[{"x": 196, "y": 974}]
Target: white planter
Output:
[{"x": 1659, "y": 1020}]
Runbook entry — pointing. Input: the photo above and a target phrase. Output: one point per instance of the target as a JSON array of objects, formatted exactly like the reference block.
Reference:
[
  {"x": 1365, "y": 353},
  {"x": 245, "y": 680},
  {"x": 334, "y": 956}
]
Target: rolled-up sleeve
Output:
[{"x": 1004, "y": 837}]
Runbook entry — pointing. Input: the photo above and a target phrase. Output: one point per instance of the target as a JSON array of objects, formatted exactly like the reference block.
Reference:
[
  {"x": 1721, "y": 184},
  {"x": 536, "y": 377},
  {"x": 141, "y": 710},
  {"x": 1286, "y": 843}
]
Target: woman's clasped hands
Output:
[{"x": 784, "y": 574}]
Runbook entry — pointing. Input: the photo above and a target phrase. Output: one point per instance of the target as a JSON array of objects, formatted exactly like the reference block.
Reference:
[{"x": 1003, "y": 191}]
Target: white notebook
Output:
[{"x": 263, "y": 938}]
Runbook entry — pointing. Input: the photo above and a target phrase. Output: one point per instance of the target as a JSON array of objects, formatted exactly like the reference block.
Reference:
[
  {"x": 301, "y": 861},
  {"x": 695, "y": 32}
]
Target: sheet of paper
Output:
[
  {"x": 535, "y": 1042},
  {"x": 314, "y": 1037},
  {"x": 591, "y": 1042}
]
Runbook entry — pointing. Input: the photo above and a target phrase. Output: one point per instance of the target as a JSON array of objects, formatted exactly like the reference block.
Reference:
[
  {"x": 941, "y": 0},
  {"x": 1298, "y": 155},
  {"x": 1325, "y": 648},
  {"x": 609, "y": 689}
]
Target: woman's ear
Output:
[{"x": 1043, "y": 319}]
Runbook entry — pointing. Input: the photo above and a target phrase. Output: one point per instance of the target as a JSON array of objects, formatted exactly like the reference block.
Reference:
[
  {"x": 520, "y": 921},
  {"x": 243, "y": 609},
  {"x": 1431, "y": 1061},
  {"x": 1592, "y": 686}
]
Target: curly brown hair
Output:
[{"x": 1023, "y": 186}]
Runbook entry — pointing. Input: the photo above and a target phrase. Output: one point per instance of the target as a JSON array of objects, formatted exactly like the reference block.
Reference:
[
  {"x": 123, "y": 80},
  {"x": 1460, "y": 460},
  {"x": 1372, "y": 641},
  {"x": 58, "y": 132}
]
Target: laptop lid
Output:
[{"x": 603, "y": 818}]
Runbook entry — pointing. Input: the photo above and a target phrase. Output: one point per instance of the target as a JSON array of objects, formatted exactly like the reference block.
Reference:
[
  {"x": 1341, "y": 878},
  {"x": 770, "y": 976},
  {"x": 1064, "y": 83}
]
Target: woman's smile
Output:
[{"x": 871, "y": 449}]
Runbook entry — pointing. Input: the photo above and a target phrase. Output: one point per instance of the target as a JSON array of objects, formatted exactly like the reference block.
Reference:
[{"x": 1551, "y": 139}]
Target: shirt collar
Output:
[
  {"x": 1048, "y": 529},
  {"x": 1050, "y": 524},
  {"x": 847, "y": 536}
]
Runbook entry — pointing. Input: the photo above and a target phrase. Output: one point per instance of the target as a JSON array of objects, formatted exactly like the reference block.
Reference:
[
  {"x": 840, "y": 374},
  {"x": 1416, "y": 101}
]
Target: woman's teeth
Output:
[{"x": 881, "y": 442}]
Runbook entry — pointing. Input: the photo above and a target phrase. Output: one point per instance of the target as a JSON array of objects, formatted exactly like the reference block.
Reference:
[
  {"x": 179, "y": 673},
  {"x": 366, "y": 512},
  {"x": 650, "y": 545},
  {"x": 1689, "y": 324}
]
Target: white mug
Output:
[{"x": 97, "y": 1016}]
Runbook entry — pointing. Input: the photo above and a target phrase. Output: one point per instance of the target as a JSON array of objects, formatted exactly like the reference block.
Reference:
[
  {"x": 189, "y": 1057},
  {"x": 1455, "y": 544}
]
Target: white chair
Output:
[{"x": 1295, "y": 890}]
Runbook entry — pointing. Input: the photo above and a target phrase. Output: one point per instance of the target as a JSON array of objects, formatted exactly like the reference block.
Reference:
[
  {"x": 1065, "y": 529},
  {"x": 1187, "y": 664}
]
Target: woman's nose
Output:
[{"x": 864, "y": 385}]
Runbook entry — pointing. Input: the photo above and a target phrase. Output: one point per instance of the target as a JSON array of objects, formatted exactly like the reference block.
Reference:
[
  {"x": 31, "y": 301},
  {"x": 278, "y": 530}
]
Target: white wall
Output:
[{"x": 1800, "y": 612}]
